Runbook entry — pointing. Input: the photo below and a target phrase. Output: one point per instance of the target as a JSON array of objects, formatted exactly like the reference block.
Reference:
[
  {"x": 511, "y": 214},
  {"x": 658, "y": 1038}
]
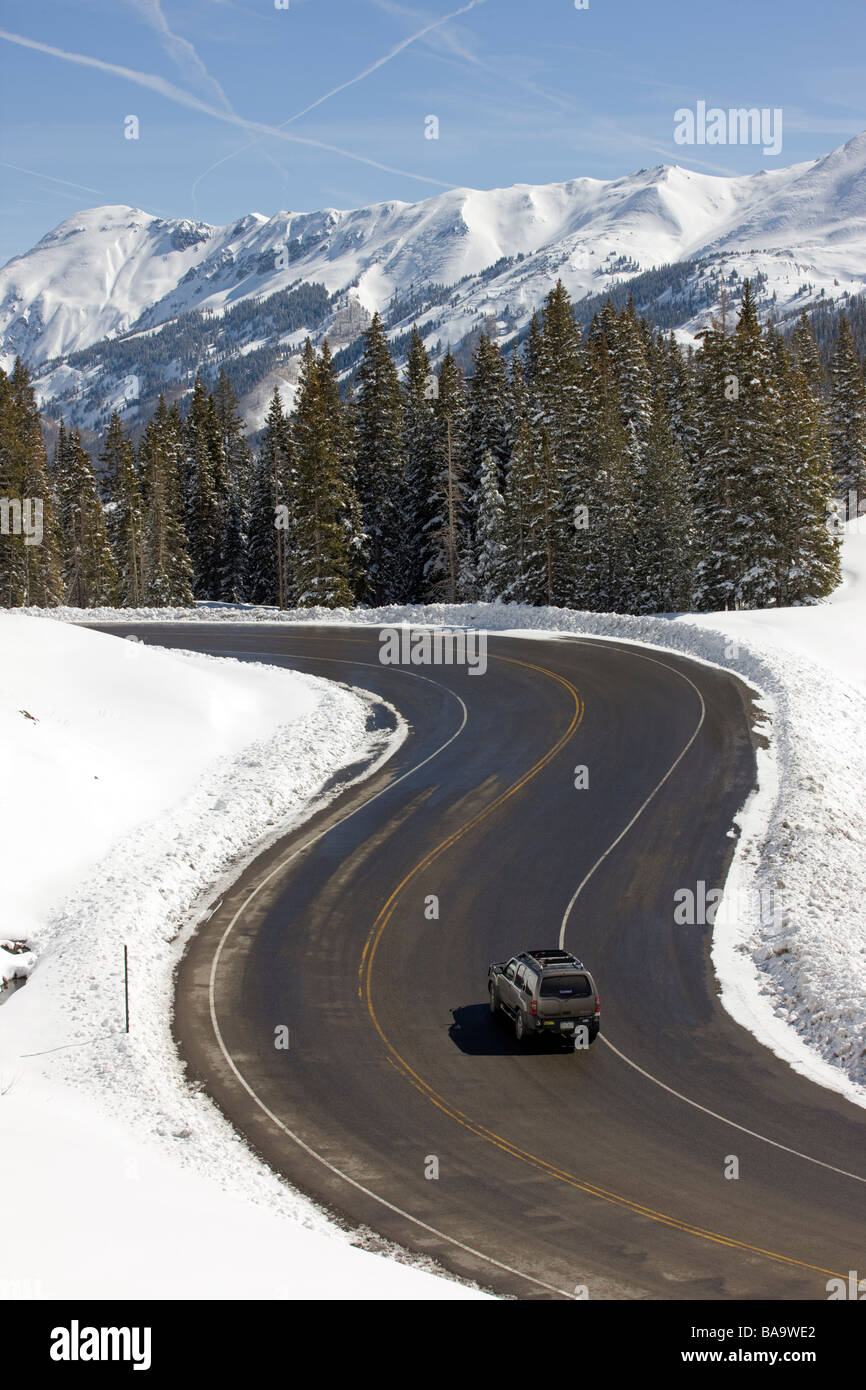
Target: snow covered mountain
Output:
[{"x": 450, "y": 262}]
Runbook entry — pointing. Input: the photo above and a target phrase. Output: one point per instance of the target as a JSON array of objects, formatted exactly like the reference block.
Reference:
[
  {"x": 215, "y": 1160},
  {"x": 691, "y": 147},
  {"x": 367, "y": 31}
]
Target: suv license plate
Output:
[{"x": 566, "y": 1027}]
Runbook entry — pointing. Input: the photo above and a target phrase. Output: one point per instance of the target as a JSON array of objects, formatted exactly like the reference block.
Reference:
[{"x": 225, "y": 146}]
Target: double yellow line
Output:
[
  {"x": 365, "y": 972},
  {"x": 371, "y": 944}
]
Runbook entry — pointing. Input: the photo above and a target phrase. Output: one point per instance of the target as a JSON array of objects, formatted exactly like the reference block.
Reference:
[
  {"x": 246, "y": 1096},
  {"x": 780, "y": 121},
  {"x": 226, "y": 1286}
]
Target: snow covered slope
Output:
[
  {"x": 101, "y": 272},
  {"x": 95, "y": 274}
]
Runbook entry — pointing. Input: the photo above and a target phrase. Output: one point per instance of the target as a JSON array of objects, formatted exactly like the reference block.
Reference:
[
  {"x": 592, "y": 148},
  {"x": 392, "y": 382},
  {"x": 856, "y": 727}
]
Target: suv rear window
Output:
[{"x": 564, "y": 986}]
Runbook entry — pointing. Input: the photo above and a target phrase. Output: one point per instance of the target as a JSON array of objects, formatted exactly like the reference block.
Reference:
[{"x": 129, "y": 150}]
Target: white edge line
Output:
[{"x": 654, "y": 1079}]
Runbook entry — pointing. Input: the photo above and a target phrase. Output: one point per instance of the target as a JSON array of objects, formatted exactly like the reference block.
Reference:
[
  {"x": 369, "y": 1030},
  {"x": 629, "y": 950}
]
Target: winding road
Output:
[{"x": 401, "y": 1106}]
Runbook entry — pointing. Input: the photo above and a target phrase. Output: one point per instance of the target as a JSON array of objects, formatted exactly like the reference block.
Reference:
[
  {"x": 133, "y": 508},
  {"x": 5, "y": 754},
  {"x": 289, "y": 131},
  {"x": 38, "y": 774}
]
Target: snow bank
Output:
[
  {"x": 134, "y": 781},
  {"x": 101, "y": 736},
  {"x": 795, "y": 974}
]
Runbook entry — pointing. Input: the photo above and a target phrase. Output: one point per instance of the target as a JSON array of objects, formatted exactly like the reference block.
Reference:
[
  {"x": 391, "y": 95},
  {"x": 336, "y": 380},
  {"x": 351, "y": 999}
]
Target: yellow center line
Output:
[
  {"x": 372, "y": 941},
  {"x": 365, "y": 971}
]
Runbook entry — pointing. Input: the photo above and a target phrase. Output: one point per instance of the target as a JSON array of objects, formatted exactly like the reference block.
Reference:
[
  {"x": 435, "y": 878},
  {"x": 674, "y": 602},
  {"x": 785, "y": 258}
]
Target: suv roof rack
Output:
[{"x": 554, "y": 956}]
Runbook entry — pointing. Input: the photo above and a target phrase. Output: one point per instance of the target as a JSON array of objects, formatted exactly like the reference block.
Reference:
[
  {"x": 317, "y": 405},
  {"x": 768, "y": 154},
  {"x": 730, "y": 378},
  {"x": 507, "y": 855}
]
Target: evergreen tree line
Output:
[{"x": 610, "y": 471}]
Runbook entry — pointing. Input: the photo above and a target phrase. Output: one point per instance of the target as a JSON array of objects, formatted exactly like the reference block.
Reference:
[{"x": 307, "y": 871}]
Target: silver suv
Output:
[{"x": 547, "y": 992}]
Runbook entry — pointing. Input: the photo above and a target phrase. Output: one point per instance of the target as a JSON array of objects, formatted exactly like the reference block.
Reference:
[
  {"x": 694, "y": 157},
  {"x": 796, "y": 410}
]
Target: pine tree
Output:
[
  {"x": 89, "y": 569},
  {"x": 621, "y": 359},
  {"x": 532, "y": 352},
  {"x": 604, "y": 547},
  {"x": 521, "y": 580},
  {"x": 808, "y": 552},
  {"x": 343, "y": 415},
  {"x": 848, "y": 418},
  {"x": 321, "y": 555},
  {"x": 239, "y": 465},
  {"x": 269, "y": 574},
  {"x": 633, "y": 380},
  {"x": 419, "y": 390},
  {"x": 167, "y": 573},
  {"x": 674, "y": 375},
  {"x": 554, "y": 377},
  {"x": 716, "y": 499},
  {"x": 490, "y": 574},
  {"x": 113, "y": 448},
  {"x": 380, "y": 469},
  {"x": 665, "y": 540},
  {"x": 547, "y": 504},
  {"x": 206, "y": 513},
  {"x": 807, "y": 356},
  {"x": 530, "y": 521},
  {"x": 557, "y": 413},
  {"x": 13, "y": 580},
  {"x": 30, "y": 567},
  {"x": 449, "y": 575},
  {"x": 517, "y": 403},
  {"x": 487, "y": 428},
  {"x": 124, "y": 511},
  {"x": 754, "y": 537}
]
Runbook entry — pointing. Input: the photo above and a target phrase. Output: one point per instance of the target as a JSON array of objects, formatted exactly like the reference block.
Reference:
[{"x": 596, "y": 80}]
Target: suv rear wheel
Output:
[
  {"x": 519, "y": 1025},
  {"x": 491, "y": 995}
]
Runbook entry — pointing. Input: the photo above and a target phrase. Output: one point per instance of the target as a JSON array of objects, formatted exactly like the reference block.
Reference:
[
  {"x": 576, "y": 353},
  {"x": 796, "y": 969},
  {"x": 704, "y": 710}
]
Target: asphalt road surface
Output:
[{"x": 601, "y": 1170}]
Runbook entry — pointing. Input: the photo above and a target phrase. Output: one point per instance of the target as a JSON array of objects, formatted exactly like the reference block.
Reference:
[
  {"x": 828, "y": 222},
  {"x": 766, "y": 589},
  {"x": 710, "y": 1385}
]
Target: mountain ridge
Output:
[{"x": 105, "y": 271}]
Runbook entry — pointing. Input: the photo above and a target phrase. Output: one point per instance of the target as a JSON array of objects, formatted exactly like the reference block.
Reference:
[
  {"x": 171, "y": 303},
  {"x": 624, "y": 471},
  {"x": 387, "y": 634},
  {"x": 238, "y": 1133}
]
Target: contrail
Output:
[
  {"x": 51, "y": 179},
  {"x": 185, "y": 57},
  {"x": 380, "y": 62},
  {"x": 183, "y": 98},
  {"x": 451, "y": 41},
  {"x": 392, "y": 53},
  {"x": 180, "y": 50}
]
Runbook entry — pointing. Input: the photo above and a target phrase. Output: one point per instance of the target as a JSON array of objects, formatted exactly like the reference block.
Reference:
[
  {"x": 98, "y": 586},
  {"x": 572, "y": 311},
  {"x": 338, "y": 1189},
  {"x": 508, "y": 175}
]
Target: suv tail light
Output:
[
  {"x": 533, "y": 1008},
  {"x": 597, "y": 1004}
]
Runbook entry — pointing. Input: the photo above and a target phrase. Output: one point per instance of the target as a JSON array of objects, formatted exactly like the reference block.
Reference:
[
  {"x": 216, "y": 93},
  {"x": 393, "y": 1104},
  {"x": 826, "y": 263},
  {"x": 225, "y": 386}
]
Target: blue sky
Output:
[{"x": 524, "y": 92}]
